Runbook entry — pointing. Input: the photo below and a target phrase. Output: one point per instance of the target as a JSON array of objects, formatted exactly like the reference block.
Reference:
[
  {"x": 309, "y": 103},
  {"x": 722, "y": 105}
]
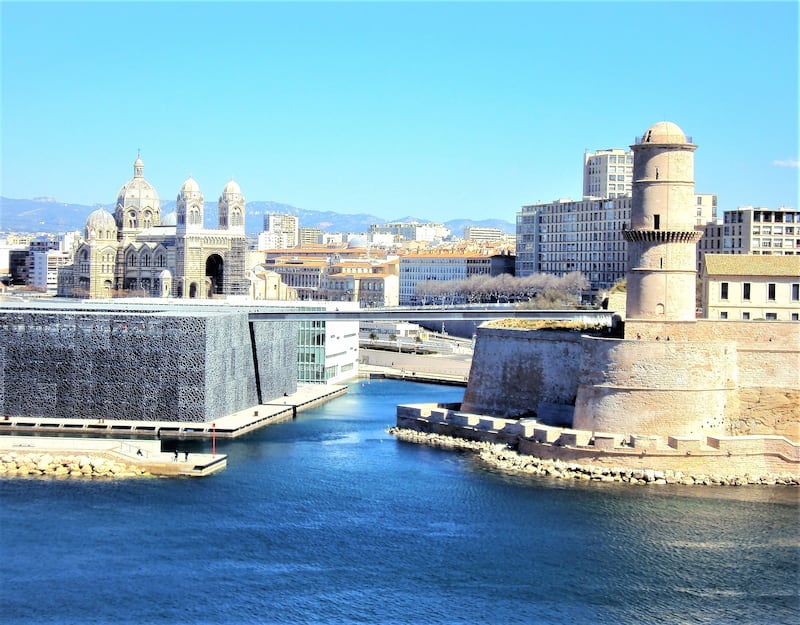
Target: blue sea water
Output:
[{"x": 327, "y": 519}]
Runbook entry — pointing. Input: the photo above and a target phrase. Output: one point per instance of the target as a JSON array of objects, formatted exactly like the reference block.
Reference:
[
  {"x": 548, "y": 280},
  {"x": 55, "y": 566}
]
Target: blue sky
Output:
[{"x": 436, "y": 110}]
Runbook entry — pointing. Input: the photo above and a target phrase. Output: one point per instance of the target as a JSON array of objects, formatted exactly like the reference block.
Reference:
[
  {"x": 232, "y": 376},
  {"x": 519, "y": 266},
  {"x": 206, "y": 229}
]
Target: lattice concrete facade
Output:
[{"x": 156, "y": 366}]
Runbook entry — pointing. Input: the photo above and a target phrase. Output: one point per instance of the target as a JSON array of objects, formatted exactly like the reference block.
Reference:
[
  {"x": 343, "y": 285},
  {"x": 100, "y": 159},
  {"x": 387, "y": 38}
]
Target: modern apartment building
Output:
[
  {"x": 280, "y": 230},
  {"x": 309, "y": 236},
  {"x": 483, "y": 234},
  {"x": 412, "y": 231},
  {"x": 567, "y": 235},
  {"x": 586, "y": 236},
  {"x": 607, "y": 173},
  {"x": 44, "y": 265},
  {"x": 415, "y": 268},
  {"x": 749, "y": 230}
]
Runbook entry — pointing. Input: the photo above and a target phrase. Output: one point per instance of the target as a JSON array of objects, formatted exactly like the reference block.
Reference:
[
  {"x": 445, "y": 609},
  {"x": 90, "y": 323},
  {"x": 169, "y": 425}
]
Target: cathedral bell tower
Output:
[{"x": 662, "y": 239}]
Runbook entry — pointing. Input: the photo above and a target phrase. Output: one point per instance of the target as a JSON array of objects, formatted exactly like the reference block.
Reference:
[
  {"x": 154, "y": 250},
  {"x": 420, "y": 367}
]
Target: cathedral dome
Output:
[
  {"x": 101, "y": 224},
  {"x": 138, "y": 192},
  {"x": 232, "y": 187},
  {"x": 136, "y": 195},
  {"x": 190, "y": 186},
  {"x": 664, "y": 132},
  {"x": 170, "y": 219}
]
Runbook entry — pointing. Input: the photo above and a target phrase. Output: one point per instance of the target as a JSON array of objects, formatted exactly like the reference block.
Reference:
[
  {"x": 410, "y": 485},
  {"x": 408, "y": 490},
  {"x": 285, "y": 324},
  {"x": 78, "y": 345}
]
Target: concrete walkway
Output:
[
  {"x": 145, "y": 454},
  {"x": 229, "y": 426}
]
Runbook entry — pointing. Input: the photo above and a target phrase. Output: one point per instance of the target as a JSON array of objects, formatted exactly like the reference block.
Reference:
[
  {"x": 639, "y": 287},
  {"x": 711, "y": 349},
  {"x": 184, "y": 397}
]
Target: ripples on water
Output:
[{"x": 327, "y": 519}]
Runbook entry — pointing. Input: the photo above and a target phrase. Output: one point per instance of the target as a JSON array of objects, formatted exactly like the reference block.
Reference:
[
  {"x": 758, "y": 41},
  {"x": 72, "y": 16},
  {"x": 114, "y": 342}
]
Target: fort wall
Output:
[
  {"x": 666, "y": 378},
  {"x": 656, "y": 387},
  {"x": 514, "y": 370}
]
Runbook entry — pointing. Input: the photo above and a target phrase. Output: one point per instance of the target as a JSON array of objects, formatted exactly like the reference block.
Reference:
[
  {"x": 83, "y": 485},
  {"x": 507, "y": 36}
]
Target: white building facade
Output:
[{"x": 607, "y": 173}]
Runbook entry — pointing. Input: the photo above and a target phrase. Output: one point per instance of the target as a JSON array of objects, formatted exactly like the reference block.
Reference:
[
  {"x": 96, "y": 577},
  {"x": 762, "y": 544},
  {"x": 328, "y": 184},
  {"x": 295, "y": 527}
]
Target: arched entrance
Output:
[{"x": 214, "y": 274}]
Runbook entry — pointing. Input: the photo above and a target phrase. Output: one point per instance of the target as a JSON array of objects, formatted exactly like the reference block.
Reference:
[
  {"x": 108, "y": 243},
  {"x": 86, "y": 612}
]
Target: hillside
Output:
[{"x": 50, "y": 215}]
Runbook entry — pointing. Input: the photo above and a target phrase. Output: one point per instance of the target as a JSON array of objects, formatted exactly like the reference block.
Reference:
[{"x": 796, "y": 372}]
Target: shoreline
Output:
[
  {"x": 65, "y": 465},
  {"x": 503, "y": 458}
]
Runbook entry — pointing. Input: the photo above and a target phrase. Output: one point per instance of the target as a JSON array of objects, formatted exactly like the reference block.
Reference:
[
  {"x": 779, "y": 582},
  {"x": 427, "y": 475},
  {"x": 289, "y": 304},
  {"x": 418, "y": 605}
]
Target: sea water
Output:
[{"x": 328, "y": 519}]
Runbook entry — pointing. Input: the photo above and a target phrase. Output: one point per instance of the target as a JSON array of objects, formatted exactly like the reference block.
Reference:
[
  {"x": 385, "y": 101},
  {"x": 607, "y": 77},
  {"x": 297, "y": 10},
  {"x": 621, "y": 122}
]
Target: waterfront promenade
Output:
[
  {"x": 52, "y": 446},
  {"x": 228, "y": 426}
]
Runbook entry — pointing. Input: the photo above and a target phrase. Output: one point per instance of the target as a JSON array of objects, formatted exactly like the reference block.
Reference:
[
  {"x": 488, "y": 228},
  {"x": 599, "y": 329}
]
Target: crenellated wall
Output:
[{"x": 514, "y": 370}]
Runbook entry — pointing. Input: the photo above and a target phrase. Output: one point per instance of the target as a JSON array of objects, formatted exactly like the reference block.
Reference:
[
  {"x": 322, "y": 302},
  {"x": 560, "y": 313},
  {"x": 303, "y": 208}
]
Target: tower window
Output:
[{"x": 656, "y": 222}]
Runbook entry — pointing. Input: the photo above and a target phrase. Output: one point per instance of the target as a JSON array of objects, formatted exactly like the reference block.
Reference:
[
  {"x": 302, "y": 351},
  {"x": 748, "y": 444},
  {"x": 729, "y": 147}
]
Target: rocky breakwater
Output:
[
  {"x": 503, "y": 458},
  {"x": 14, "y": 464}
]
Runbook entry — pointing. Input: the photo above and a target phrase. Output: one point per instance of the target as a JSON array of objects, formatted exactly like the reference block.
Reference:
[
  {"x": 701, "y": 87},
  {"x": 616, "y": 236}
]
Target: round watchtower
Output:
[{"x": 662, "y": 240}]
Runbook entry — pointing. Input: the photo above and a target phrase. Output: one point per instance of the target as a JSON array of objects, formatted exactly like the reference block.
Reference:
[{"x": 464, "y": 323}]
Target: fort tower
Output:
[{"x": 662, "y": 239}]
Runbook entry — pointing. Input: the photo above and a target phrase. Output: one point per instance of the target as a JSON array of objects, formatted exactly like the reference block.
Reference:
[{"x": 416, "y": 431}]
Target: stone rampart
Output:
[
  {"x": 656, "y": 387},
  {"x": 194, "y": 366},
  {"x": 514, "y": 370}
]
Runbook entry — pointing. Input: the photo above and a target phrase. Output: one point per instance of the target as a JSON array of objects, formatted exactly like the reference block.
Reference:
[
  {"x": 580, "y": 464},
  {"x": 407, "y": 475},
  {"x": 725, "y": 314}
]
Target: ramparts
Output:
[
  {"x": 668, "y": 379},
  {"x": 753, "y": 458},
  {"x": 514, "y": 370}
]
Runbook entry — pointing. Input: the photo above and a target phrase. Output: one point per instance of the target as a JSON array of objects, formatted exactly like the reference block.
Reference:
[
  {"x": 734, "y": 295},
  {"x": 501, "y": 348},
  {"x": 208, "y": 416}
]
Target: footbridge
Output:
[{"x": 431, "y": 313}]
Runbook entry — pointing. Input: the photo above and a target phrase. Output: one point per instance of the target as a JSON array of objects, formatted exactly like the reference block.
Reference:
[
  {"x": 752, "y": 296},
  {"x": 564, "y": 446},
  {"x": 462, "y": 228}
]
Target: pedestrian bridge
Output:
[{"x": 432, "y": 313}]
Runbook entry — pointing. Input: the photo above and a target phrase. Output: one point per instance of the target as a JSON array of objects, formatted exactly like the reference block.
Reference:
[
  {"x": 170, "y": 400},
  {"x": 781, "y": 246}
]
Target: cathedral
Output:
[{"x": 138, "y": 252}]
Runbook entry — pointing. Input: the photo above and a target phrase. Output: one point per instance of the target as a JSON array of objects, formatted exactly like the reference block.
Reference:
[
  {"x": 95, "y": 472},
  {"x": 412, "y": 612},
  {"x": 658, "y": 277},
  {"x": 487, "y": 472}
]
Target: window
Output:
[
  {"x": 746, "y": 291},
  {"x": 745, "y": 316},
  {"x": 723, "y": 315},
  {"x": 795, "y": 292},
  {"x": 656, "y": 222},
  {"x": 772, "y": 316},
  {"x": 723, "y": 290},
  {"x": 771, "y": 291}
]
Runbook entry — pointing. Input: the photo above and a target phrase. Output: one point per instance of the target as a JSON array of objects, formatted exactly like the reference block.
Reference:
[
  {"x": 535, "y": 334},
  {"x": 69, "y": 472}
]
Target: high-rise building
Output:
[
  {"x": 567, "y": 235},
  {"x": 280, "y": 231},
  {"x": 750, "y": 230},
  {"x": 607, "y": 173}
]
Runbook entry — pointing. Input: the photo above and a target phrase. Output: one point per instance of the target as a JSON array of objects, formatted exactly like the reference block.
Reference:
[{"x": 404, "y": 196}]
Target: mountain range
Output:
[{"x": 45, "y": 214}]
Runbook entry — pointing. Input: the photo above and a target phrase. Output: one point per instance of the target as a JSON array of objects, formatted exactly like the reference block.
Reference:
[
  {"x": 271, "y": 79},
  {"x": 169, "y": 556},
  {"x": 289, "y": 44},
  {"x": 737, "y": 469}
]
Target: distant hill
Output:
[{"x": 50, "y": 215}]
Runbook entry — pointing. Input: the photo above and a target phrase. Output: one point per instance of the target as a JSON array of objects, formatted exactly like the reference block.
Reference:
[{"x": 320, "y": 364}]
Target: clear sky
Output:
[{"x": 436, "y": 110}]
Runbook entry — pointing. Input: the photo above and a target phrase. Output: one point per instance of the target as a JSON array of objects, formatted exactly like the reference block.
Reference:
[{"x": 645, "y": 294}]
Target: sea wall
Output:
[{"x": 514, "y": 370}]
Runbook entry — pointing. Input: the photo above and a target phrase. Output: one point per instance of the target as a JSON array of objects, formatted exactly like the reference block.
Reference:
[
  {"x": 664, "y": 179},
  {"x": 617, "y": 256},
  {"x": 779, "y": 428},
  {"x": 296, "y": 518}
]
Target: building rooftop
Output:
[{"x": 752, "y": 265}]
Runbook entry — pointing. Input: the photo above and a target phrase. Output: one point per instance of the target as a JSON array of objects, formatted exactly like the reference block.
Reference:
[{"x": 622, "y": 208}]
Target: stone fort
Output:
[{"x": 670, "y": 381}]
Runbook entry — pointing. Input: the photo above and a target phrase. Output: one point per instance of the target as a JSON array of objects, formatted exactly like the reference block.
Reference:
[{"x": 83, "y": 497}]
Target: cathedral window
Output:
[
  {"x": 131, "y": 260},
  {"x": 160, "y": 260},
  {"x": 146, "y": 260},
  {"x": 132, "y": 219}
]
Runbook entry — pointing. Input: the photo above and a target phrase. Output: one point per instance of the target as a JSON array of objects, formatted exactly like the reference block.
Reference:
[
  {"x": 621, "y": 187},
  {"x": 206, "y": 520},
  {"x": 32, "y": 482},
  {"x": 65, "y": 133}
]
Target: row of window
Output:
[
  {"x": 770, "y": 316},
  {"x": 772, "y": 287}
]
